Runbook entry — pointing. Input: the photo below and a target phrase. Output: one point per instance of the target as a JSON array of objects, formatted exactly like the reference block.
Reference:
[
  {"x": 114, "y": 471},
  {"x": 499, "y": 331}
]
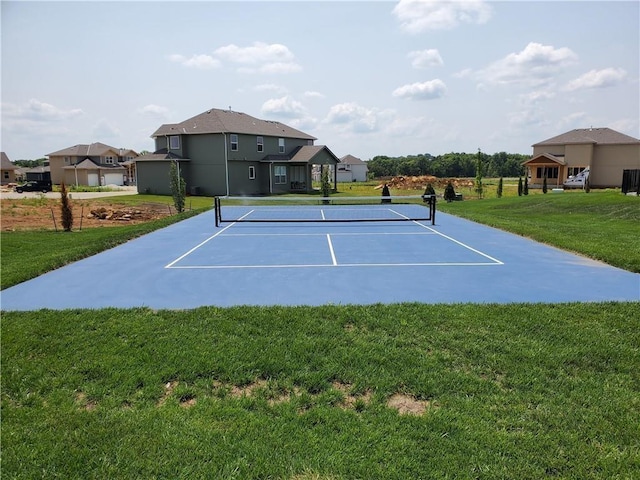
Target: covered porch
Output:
[
  {"x": 293, "y": 173},
  {"x": 553, "y": 167}
]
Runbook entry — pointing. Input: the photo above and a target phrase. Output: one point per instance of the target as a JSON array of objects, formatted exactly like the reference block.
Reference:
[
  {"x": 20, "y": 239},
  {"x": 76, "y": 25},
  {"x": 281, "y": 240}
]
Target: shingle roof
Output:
[
  {"x": 598, "y": 136},
  {"x": 227, "y": 121},
  {"x": 351, "y": 160},
  {"x": 5, "y": 163},
  {"x": 160, "y": 155},
  {"x": 94, "y": 149},
  {"x": 302, "y": 154}
]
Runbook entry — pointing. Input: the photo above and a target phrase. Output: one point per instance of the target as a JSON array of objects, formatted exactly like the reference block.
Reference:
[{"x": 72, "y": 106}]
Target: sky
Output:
[{"x": 365, "y": 78}]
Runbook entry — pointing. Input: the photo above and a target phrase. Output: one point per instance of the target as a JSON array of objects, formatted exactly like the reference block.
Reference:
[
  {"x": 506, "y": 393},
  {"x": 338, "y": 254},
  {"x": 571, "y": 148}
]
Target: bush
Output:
[
  {"x": 449, "y": 193},
  {"x": 65, "y": 207}
]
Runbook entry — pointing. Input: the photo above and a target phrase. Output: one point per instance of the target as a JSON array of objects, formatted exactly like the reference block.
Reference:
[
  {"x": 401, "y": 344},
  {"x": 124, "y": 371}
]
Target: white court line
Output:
[
  {"x": 170, "y": 265},
  {"x": 341, "y": 265},
  {"x": 333, "y": 255},
  {"x": 498, "y": 262},
  {"x": 335, "y": 234}
]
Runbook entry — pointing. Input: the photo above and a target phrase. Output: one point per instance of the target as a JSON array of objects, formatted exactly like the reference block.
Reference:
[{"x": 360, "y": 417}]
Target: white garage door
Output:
[
  {"x": 113, "y": 179},
  {"x": 93, "y": 179}
]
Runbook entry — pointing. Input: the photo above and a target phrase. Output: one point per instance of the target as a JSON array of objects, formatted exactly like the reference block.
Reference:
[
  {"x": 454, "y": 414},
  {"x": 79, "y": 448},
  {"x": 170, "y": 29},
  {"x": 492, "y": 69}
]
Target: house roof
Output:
[
  {"x": 96, "y": 149},
  {"x": 599, "y": 136},
  {"x": 159, "y": 156},
  {"x": 5, "y": 163},
  {"x": 228, "y": 121},
  {"x": 351, "y": 160},
  {"x": 303, "y": 154},
  {"x": 544, "y": 158}
]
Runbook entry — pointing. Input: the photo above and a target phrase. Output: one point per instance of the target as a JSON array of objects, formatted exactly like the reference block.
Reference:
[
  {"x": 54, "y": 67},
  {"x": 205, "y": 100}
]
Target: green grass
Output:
[
  {"x": 604, "y": 225},
  {"x": 513, "y": 391},
  {"x": 508, "y": 391}
]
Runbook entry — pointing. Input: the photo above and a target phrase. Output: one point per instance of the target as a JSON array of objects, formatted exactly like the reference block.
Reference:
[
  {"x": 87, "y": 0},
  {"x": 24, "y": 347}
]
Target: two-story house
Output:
[
  {"x": 352, "y": 169},
  {"x": 222, "y": 152},
  {"x": 605, "y": 152},
  {"x": 95, "y": 165}
]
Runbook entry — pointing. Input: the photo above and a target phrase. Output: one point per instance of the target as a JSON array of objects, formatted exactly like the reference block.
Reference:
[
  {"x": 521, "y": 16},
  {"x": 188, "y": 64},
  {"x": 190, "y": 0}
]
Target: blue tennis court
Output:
[{"x": 194, "y": 263}]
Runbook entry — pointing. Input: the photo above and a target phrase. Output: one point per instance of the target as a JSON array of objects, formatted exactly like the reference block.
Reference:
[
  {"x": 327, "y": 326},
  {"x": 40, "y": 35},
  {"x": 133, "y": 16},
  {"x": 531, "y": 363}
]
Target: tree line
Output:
[{"x": 500, "y": 164}]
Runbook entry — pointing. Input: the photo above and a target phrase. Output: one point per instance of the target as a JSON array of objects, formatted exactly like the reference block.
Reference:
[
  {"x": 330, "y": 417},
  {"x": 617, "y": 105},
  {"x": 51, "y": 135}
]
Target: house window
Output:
[
  {"x": 67, "y": 160},
  {"x": 551, "y": 172},
  {"x": 5, "y": 175},
  {"x": 281, "y": 145},
  {"x": 573, "y": 171},
  {"x": 252, "y": 173},
  {"x": 260, "y": 142},
  {"x": 109, "y": 160},
  {"x": 234, "y": 142},
  {"x": 174, "y": 142},
  {"x": 280, "y": 174}
]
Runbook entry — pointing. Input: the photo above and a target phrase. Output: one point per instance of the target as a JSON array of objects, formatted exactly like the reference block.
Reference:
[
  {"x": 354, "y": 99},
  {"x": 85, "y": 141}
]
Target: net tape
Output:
[{"x": 229, "y": 209}]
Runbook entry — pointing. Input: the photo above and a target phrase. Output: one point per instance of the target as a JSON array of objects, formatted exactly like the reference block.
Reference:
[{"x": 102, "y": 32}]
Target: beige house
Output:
[
  {"x": 94, "y": 165},
  {"x": 7, "y": 170},
  {"x": 605, "y": 152}
]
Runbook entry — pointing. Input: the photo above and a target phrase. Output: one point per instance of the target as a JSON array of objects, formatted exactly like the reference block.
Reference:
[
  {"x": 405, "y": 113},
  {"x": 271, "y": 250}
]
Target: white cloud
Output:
[
  {"x": 35, "y": 110},
  {"x": 537, "y": 64},
  {"x": 199, "y": 61},
  {"x": 354, "y": 117},
  {"x": 607, "y": 77},
  {"x": 312, "y": 94},
  {"x": 425, "y": 58},
  {"x": 285, "y": 106},
  {"x": 260, "y": 57},
  {"x": 270, "y": 87},
  {"x": 154, "y": 110},
  {"x": 422, "y": 91},
  {"x": 417, "y": 16}
]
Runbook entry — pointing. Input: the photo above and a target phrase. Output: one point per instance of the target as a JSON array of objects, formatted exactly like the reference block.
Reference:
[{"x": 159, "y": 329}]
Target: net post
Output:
[
  {"x": 432, "y": 207},
  {"x": 216, "y": 208}
]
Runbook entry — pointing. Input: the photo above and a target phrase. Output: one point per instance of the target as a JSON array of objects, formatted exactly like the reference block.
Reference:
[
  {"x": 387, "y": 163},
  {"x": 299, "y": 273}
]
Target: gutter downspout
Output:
[
  {"x": 226, "y": 162},
  {"x": 270, "y": 178}
]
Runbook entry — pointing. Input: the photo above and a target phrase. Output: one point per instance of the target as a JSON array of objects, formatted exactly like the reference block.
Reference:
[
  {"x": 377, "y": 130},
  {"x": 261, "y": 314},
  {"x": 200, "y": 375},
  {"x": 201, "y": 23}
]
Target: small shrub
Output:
[
  {"x": 65, "y": 207},
  {"x": 449, "y": 193}
]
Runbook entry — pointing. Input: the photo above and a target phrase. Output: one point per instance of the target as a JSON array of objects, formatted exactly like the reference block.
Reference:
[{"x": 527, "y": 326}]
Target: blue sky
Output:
[{"x": 365, "y": 78}]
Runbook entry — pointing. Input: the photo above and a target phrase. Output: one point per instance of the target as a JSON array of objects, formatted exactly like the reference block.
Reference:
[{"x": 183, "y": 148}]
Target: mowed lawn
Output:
[{"x": 335, "y": 392}]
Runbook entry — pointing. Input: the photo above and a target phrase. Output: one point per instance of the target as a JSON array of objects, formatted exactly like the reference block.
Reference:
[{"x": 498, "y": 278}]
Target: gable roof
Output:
[
  {"x": 544, "y": 158},
  {"x": 351, "y": 160},
  {"x": 95, "y": 149},
  {"x": 228, "y": 121},
  {"x": 303, "y": 154},
  {"x": 596, "y": 136},
  {"x": 5, "y": 163}
]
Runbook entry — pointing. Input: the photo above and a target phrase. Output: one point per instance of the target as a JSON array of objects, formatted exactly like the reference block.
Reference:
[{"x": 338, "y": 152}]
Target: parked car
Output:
[{"x": 34, "y": 186}]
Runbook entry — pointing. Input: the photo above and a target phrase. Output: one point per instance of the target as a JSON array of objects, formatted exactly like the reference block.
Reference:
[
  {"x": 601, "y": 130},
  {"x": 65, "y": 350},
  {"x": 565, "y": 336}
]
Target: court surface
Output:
[{"x": 193, "y": 263}]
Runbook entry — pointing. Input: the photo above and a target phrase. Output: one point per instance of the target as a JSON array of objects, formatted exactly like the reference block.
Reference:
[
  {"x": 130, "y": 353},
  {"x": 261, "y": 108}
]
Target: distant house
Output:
[
  {"x": 352, "y": 169},
  {"x": 7, "y": 170},
  {"x": 222, "y": 152},
  {"x": 95, "y": 165},
  {"x": 604, "y": 151},
  {"x": 42, "y": 174}
]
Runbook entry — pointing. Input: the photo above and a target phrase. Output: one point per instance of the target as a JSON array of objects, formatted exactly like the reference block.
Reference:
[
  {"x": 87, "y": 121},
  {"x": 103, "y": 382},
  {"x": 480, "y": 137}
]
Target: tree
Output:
[
  {"x": 325, "y": 183},
  {"x": 178, "y": 186},
  {"x": 519, "y": 186},
  {"x": 65, "y": 208},
  {"x": 385, "y": 193},
  {"x": 479, "y": 189},
  {"x": 499, "y": 192},
  {"x": 449, "y": 192},
  {"x": 525, "y": 190}
]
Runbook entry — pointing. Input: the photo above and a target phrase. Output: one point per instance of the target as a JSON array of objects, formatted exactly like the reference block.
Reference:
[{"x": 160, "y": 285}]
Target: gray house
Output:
[{"x": 222, "y": 152}]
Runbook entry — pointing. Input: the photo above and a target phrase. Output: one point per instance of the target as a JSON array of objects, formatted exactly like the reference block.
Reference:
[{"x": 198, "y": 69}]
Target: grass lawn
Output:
[
  {"x": 335, "y": 392},
  {"x": 516, "y": 391}
]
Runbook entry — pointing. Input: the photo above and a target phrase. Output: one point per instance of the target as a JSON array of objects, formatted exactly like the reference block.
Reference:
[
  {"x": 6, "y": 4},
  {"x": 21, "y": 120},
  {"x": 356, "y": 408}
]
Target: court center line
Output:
[
  {"x": 333, "y": 254},
  {"x": 342, "y": 265}
]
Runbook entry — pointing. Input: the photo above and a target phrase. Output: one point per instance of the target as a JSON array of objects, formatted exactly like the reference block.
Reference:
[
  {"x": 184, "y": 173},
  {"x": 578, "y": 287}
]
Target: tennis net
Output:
[{"x": 229, "y": 209}]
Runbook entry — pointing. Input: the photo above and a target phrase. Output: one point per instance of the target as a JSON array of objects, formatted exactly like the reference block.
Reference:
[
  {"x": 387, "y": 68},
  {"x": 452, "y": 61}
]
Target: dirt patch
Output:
[
  {"x": 84, "y": 403},
  {"x": 45, "y": 214},
  {"x": 407, "y": 405},
  {"x": 420, "y": 182}
]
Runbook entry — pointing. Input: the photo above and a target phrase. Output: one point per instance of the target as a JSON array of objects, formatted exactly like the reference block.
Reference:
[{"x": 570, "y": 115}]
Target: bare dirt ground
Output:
[{"x": 39, "y": 213}]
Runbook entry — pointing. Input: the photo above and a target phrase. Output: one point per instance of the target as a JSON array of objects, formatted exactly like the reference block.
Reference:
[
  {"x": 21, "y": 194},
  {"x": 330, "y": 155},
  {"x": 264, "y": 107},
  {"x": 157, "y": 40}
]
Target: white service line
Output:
[{"x": 333, "y": 255}]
